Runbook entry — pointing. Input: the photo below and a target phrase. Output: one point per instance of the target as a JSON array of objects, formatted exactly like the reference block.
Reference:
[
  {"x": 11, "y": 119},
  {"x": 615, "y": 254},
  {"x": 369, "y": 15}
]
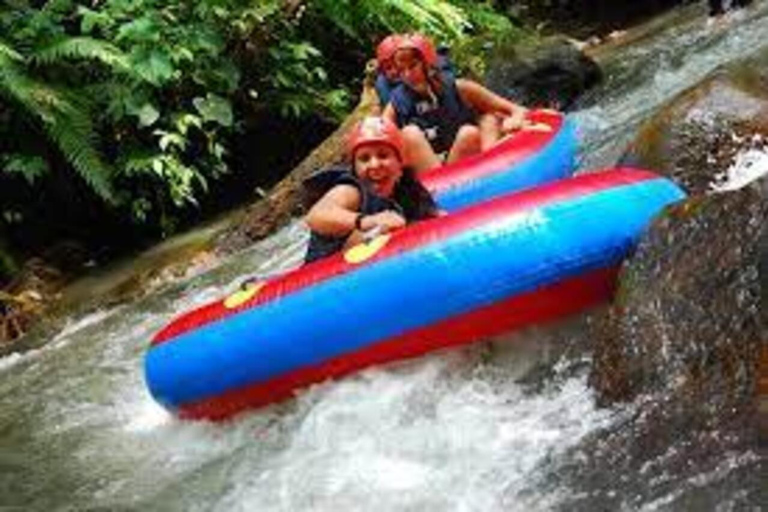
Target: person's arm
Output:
[
  {"x": 336, "y": 214},
  {"x": 485, "y": 101}
]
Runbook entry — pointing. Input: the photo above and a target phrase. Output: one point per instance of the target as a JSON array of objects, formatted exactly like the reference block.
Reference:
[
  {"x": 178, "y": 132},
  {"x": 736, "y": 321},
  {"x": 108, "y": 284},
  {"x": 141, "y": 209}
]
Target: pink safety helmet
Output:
[
  {"x": 422, "y": 44},
  {"x": 375, "y": 129},
  {"x": 387, "y": 48}
]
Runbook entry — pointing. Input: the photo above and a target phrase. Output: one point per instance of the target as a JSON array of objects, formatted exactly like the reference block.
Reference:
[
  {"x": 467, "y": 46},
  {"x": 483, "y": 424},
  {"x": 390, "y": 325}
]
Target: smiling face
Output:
[
  {"x": 411, "y": 69},
  {"x": 378, "y": 165}
]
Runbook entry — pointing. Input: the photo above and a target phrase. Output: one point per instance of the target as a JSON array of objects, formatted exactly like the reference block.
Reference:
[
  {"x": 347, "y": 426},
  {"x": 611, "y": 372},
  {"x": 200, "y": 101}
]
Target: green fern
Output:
[
  {"x": 355, "y": 17},
  {"x": 63, "y": 116},
  {"x": 85, "y": 48},
  {"x": 8, "y": 53},
  {"x": 74, "y": 134}
]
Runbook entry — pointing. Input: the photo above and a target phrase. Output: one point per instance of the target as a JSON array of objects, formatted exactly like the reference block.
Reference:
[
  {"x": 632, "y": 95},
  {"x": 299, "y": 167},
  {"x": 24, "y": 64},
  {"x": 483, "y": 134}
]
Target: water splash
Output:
[{"x": 749, "y": 165}]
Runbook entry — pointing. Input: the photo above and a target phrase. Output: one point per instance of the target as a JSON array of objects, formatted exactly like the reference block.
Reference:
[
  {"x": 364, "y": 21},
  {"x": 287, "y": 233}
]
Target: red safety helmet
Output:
[
  {"x": 387, "y": 48},
  {"x": 375, "y": 129},
  {"x": 423, "y": 45}
]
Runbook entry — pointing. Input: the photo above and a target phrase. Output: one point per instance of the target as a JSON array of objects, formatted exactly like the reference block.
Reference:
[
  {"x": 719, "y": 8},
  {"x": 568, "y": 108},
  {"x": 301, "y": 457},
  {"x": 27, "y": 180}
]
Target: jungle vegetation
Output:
[{"x": 125, "y": 113}]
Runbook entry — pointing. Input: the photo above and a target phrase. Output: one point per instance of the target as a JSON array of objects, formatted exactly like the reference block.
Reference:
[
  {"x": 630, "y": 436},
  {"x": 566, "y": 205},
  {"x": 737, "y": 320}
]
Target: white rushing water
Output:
[
  {"x": 448, "y": 432},
  {"x": 452, "y": 431},
  {"x": 640, "y": 78},
  {"x": 749, "y": 165}
]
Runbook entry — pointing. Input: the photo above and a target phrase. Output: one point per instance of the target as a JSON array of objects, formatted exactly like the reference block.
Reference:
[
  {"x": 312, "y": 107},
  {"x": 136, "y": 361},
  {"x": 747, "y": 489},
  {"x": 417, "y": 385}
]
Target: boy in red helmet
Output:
[
  {"x": 377, "y": 192},
  {"x": 440, "y": 115}
]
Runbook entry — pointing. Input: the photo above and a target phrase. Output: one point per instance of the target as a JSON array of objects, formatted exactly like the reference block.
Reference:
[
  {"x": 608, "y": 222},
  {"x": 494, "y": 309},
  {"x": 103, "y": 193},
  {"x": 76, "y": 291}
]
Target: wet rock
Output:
[
  {"x": 24, "y": 300},
  {"x": 686, "y": 340},
  {"x": 686, "y": 317},
  {"x": 681, "y": 347},
  {"x": 698, "y": 135},
  {"x": 762, "y": 383},
  {"x": 687, "y": 322},
  {"x": 551, "y": 73},
  {"x": 655, "y": 457}
]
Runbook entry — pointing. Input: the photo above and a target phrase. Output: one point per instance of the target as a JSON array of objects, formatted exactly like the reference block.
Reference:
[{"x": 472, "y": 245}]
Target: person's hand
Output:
[
  {"x": 512, "y": 124},
  {"x": 385, "y": 221}
]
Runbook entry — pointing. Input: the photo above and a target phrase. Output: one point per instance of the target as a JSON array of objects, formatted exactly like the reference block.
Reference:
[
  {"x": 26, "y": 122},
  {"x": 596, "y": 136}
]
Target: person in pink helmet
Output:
[
  {"x": 387, "y": 78},
  {"x": 375, "y": 192},
  {"x": 444, "y": 119}
]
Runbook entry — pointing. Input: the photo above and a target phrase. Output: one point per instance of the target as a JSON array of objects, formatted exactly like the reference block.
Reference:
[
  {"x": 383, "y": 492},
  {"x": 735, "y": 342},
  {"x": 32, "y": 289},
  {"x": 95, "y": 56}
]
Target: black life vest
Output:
[
  {"x": 439, "y": 117},
  {"x": 410, "y": 199}
]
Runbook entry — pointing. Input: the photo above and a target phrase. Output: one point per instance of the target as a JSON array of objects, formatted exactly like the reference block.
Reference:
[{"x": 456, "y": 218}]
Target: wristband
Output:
[{"x": 359, "y": 221}]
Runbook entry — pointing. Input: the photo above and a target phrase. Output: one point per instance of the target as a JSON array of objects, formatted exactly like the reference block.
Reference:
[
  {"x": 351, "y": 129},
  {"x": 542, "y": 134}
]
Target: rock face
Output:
[
  {"x": 686, "y": 317},
  {"x": 683, "y": 342},
  {"x": 553, "y": 73},
  {"x": 687, "y": 324},
  {"x": 686, "y": 339},
  {"x": 696, "y": 136}
]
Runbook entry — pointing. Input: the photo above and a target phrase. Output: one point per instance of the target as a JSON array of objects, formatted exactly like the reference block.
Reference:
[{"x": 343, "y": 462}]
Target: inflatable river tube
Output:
[
  {"x": 520, "y": 259},
  {"x": 544, "y": 151}
]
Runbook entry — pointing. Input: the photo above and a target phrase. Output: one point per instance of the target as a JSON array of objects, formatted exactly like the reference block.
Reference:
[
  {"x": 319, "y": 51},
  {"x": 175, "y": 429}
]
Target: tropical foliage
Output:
[{"x": 139, "y": 100}]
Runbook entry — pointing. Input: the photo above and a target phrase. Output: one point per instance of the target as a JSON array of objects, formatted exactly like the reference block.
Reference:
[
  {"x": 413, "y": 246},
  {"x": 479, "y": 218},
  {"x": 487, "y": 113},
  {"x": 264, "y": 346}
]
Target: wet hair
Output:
[{"x": 416, "y": 201}]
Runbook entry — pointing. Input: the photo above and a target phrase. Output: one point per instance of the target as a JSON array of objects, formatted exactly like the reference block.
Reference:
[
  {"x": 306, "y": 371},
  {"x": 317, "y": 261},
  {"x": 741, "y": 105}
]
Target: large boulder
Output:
[
  {"x": 551, "y": 73},
  {"x": 687, "y": 322},
  {"x": 683, "y": 342},
  {"x": 686, "y": 318}
]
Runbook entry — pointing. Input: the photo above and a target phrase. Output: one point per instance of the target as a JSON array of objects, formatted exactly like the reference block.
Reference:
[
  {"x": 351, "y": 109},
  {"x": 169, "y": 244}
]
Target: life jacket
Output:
[
  {"x": 410, "y": 199},
  {"x": 384, "y": 87},
  {"x": 439, "y": 118}
]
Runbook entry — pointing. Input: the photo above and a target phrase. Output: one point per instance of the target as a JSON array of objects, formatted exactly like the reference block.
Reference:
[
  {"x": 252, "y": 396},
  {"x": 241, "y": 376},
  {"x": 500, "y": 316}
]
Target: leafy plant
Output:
[
  {"x": 63, "y": 116},
  {"x": 142, "y": 99},
  {"x": 360, "y": 17}
]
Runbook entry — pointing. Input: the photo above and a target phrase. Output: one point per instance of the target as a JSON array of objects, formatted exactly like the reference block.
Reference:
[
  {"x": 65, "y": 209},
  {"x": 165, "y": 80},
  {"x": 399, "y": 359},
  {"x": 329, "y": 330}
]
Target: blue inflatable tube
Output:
[{"x": 516, "y": 260}]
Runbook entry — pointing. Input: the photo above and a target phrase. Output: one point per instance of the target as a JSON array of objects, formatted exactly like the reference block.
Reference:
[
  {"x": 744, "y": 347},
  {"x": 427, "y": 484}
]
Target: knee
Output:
[
  {"x": 488, "y": 121},
  {"x": 468, "y": 135}
]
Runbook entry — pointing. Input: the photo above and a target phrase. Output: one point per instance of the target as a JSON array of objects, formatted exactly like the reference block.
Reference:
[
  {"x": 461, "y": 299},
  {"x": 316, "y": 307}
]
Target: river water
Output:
[{"x": 479, "y": 429}]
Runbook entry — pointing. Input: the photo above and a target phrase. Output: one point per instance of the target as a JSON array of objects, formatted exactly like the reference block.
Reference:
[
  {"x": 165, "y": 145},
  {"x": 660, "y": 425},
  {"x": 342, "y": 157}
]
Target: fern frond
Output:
[
  {"x": 9, "y": 53},
  {"x": 433, "y": 16},
  {"x": 87, "y": 48},
  {"x": 73, "y": 133},
  {"x": 64, "y": 118}
]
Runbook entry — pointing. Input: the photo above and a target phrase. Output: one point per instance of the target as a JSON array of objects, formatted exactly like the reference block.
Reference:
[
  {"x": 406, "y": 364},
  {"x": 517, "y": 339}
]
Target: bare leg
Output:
[
  {"x": 467, "y": 143},
  {"x": 490, "y": 131},
  {"x": 418, "y": 152}
]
